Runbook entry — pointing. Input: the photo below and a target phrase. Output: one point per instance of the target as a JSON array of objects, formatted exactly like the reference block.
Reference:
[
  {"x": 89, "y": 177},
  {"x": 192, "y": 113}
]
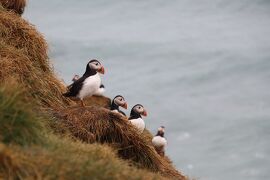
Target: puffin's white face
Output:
[
  {"x": 96, "y": 65},
  {"x": 120, "y": 101},
  {"x": 140, "y": 109}
]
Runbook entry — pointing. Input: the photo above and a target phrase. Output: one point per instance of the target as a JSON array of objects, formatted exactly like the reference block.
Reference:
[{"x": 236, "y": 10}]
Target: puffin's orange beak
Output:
[
  {"x": 102, "y": 70},
  {"x": 144, "y": 113},
  {"x": 125, "y": 105}
]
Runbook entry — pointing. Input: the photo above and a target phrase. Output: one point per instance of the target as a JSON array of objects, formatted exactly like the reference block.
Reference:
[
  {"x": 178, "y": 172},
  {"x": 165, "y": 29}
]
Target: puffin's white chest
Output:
[
  {"x": 139, "y": 124},
  {"x": 159, "y": 141},
  {"x": 90, "y": 86},
  {"x": 116, "y": 111},
  {"x": 100, "y": 92}
]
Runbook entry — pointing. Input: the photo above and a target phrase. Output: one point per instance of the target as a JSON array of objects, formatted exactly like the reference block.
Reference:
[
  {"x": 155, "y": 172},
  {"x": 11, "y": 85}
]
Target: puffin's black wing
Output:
[
  {"x": 102, "y": 86},
  {"x": 74, "y": 89}
]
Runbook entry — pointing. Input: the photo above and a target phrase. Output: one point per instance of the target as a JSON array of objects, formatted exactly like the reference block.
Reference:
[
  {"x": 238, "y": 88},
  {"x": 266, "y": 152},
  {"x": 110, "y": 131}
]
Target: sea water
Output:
[{"x": 200, "y": 67}]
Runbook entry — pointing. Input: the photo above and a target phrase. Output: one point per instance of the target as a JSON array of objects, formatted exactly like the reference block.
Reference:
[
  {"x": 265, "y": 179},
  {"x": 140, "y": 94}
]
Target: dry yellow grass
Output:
[
  {"x": 23, "y": 58},
  {"x": 99, "y": 101},
  {"x": 95, "y": 124},
  {"x": 29, "y": 149},
  {"x": 23, "y": 55},
  {"x": 66, "y": 160},
  {"x": 16, "y": 6}
]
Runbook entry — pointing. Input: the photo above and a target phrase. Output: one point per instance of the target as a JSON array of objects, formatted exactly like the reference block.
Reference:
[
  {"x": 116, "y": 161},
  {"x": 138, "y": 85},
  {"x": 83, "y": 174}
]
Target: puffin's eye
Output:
[{"x": 96, "y": 64}]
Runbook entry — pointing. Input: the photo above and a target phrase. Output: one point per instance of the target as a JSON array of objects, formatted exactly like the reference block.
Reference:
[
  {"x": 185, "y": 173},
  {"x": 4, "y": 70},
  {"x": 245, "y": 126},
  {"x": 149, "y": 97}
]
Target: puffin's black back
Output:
[{"x": 75, "y": 87}]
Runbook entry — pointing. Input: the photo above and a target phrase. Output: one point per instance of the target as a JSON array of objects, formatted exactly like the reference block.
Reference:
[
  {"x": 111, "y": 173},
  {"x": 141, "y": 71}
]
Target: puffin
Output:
[
  {"x": 88, "y": 84},
  {"x": 99, "y": 92},
  {"x": 136, "y": 117},
  {"x": 118, "y": 101},
  {"x": 159, "y": 141}
]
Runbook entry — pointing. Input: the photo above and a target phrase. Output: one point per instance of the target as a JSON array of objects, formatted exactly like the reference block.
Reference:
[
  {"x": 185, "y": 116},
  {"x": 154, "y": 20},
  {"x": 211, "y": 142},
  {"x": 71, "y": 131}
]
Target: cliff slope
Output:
[{"x": 44, "y": 135}]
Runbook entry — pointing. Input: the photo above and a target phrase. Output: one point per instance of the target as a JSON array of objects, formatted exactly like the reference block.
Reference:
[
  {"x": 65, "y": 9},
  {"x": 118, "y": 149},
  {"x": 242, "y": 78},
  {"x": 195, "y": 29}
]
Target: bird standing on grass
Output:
[
  {"x": 88, "y": 84},
  {"x": 118, "y": 101},
  {"x": 136, "y": 117},
  {"x": 159, "y": 141},
  {"x": 99, "y": 92}
]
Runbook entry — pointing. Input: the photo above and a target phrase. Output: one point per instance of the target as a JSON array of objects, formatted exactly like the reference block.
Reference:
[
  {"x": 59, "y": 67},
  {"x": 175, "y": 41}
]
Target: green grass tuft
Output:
[{"x": 18, "y": 122}]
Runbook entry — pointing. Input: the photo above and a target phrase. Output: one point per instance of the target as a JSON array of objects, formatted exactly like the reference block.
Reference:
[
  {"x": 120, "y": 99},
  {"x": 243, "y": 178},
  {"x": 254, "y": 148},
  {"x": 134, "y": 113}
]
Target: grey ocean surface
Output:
[{"x": 201, "y": 68}]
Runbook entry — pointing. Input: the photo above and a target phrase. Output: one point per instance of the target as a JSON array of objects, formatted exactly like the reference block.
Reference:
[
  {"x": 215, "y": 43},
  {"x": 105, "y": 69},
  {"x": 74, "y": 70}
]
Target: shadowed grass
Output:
[{"x": 18, "y": 124}]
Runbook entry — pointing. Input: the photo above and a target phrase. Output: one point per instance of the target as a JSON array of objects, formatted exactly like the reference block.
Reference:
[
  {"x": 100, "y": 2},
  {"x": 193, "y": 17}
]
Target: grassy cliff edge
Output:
[{"x": 45, "y": 136}]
